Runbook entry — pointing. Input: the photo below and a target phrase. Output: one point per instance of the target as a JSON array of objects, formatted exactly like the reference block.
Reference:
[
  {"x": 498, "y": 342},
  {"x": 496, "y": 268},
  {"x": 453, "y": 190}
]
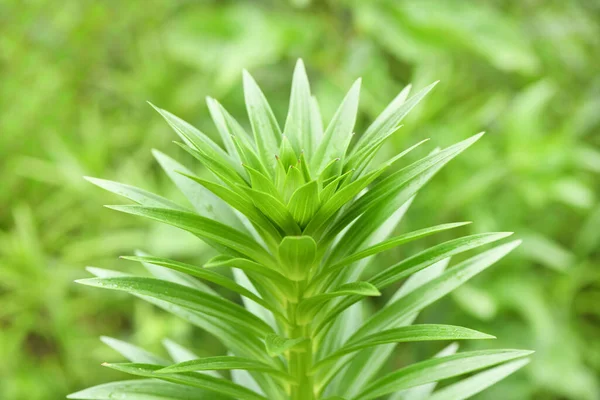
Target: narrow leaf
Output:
[
  {"x": 413, "y": 333},
  {"x": 477, "y": 383},
  {"x": 277, "y": 345},
  {"x": 204, "y": 228},
  {"x": 203, "y": 381},
  {"x": 339, "y": 132},
  {"x": 144, "y": 389},
  {"x": 437, "y": 369},
  {"x": 135, "y": 194},
  {"x": 133, "y": 353},
  {"x": 389, "y": 119},
  {"x": 434, "y": 290},
  {"x": 204, "y": 274},
  {"x": 267, "y": 134},
  {"x": 304, "y": 203},
  {"x": 223, "y": 363},
  {"x": 186, "y": 297},
  {"x": 309, "y": 306},
  {"x": 297, "y": 255},
  {"x": 298, "y": 122}
]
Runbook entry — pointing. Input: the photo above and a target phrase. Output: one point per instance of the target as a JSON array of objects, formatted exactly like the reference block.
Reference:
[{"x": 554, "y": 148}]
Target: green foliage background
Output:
[{"x": 74, "y": 79}]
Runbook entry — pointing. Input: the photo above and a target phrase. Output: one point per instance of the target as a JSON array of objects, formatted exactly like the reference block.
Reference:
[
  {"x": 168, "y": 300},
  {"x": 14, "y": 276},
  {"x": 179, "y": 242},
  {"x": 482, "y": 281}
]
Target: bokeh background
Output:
[{"x": 74, "y": 80}]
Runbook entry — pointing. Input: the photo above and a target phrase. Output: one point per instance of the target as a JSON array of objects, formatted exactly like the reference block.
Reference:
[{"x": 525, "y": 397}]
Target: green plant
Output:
[{"x": 299, "y": 216}]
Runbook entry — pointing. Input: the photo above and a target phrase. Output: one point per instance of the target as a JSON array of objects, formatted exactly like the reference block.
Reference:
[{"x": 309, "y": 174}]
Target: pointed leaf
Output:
[
  {"x": 242, "y": 204},
  {"x": 304, "y": 203},
  {"x": 133, "y": 353},
  {"x": 203, "y": 381},
  {"x": 413, "y": 333},
  {"x": 394, "y": 242},
  {"x": 144, "y": 389},
  {"x": 309, "y": 306},
  {"x": 203, "y": 228},
  {"x": 202, "y": 273},
  {"x": 223, "y": 363},
  {"x": 297, "y": 255},
  {"x": 477, "y": 383},
  {"x": 267, "y": 134},
  {"x": 237, "y": 339},
  {"x": 434, "y": 290},
  {"x": 298, "y": 122},
  {"x": 339, "y": 132},
  {"x": 389, "y": 119},
  {"x": 277, "y": 345},
  {"x": 135, "y": 194},
  {"x": 185, "y": 297},
  {"x": 437, "y": 369},
  {"x": 275, "y": 210}
]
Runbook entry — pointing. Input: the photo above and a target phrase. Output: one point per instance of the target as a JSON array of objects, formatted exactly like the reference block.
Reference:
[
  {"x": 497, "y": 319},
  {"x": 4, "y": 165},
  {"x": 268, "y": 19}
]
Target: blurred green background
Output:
[{"x": 74, "y": 78}]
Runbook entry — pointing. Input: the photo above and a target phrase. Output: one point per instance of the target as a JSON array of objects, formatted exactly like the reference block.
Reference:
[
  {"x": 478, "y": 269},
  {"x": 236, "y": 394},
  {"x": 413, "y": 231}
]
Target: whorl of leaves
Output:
[{"x": 298, "y": 215}]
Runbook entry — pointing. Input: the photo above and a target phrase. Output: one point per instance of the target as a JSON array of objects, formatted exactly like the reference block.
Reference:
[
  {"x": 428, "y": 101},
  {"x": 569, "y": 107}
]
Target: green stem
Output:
[{"x": 300, "y": 362}]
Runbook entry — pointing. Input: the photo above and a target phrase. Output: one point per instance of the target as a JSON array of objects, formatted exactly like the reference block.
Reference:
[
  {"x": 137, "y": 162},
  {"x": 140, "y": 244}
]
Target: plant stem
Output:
[{"x": 300, "y": 361}]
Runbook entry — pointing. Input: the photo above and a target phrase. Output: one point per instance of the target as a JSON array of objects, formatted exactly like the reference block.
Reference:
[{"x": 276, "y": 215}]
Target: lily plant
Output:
[{"x": 297, "y": 217}]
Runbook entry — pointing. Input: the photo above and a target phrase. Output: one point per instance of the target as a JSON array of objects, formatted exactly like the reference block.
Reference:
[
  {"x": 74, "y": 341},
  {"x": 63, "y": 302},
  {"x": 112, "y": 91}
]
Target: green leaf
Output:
[
  {"x": 171, "y": 275},
  {"x": 417, "y": 263},
  {"x": 261, "y": 183},
  {"x": 423, "y": 392},
  {"x": 364, "y": 365},
  {"x": 204, "y": 202},
  {"x": 309, "y": 306},
  {"x": 133, "y": 353},
  {"x": 304, "y": 167},
  {"x": 267, "y": 133},
  {"x": 298, "y": 122},
  {"x": 203, "y": 381},
  {"x": 304, "y": 203},
  {"x": 389, "y": 119},
  {"x": 190, "y": 134},
  {"x": 258, "y": 286},
  {"x": 274, "y": 209},
  {"x": 201, "y": 143},
  {"x": 293, "y": 180},
  {"x": 316, "y": 123},
  {"x": 331, "y": 186},
  {"x": 177, "y": 352},
  {"x": 437, "y": 369},
  {"x": 417, "y": 173},
  {"x": 220, "y": 169},
  {"x": 144, "y": 389},
  {"x": 277, "y": 345},
  {"x": 223, "y": 363},
  {"x": 339, "y": 199},
  {"x": 361, "y": 160},
  {"x": 185, "y": 297},
  {"x": 393, "y": 242},
  {"x": 434, "y": 254},
  {"x": 202, "y": 227},
  {"x": 339, "y": 132},
  {"x": 135, "y": 194},
  {"x": 297, "y": 255},
  {"x": 475, "y": 384},
  {"x": 204, "y": 274},
  {"x": 237, "y": 141},
  {"x": 243, "y": 205},
  {"x": 217, "y": 114},
  {"x": 237, "y": 339},
  {"x": 413, "y": 333},
  {"x": 433, "y": 290},
  {"x": 287, "y": 154},
  {"x": 248, "y": 267}
]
